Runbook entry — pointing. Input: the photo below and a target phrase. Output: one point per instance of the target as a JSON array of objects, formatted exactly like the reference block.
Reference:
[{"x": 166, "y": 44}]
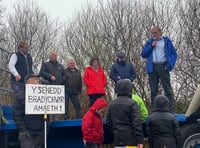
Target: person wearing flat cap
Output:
[
  {"x": 30, "y": 127},
  {"x": 122, "y": 69}
]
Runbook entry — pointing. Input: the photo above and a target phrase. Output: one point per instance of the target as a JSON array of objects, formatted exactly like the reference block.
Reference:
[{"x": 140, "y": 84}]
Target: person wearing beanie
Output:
[
  {"x": 123, "y": 117},
  {"x": 92, "y": 124},
  {"x": 162, "y": 127}
]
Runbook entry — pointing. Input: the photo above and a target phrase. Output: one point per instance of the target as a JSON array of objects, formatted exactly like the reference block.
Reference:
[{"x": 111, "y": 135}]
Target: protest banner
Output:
[{"x": 45, "y": 99}]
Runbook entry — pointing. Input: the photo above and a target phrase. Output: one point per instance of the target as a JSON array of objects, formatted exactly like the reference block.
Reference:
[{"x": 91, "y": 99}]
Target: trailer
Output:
[
  {"x": 68, "y": 133},
  {"x": 61, "y": 133},
  {"x": 190, "y": 129}
]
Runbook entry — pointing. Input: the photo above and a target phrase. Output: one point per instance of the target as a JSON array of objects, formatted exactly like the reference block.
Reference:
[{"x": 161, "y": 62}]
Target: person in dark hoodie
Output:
[
  {"x": 30, "y": 127},
  {"x": 162, "y": 127},
  {"x": 92, "y": 124},
  {"x": 123, "y": 117}
]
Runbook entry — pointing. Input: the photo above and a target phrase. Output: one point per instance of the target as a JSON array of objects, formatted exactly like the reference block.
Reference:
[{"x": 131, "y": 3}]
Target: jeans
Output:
[
  {"x": 75, "y": 101},
  {"x": 31, "y": 139},
  {"x": 161, "y": 73},
  {"x": 92, "y": 145},
  {"x": 17, "y": 86}
]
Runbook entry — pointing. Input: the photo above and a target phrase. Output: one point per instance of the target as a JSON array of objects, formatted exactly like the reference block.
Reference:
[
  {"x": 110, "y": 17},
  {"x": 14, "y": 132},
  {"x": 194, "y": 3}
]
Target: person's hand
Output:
[
  {"x": 154, "y": 43},
  {"x": 53, "y": 78},
  {"x": 17, "y": 77},
  {"x": 140, "y": 146},
  {"x": 24, "y": 135},
  {"x": 84, "y": 142}
]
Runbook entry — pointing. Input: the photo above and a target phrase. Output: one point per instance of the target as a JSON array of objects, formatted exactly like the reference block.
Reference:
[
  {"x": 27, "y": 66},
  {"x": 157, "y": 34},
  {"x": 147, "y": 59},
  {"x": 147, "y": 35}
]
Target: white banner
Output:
[{"x": 44, "y": 99}]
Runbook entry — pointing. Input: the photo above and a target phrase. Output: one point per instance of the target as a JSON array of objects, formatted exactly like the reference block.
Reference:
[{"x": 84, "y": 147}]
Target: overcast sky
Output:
[{"x": 62, "y": 9}]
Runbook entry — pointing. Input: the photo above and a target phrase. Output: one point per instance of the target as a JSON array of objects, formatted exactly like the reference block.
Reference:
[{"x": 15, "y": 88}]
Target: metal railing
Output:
[{"x": 5, "y": 91}]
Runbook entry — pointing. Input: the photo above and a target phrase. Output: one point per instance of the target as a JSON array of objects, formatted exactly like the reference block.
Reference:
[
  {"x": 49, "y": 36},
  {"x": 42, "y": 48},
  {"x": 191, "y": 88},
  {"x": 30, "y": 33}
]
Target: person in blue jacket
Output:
[
  {"x": 161, "y": 58},
  {"x": 122, "y": 69}
]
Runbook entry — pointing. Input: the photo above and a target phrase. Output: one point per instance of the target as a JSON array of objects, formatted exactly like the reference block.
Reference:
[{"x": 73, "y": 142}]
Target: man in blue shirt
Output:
[{"x": 161, "y": 57}]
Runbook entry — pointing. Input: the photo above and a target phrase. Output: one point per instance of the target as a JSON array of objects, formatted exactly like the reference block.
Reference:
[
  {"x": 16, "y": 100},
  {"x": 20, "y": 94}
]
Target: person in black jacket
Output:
[
  {"x": 162, "y": 127},
  {"x": 30, "y": 127},
  {"x": 53, "y": 72},
  {"x": 124, "y": 117},
  {"x": 73, "y": 88}
]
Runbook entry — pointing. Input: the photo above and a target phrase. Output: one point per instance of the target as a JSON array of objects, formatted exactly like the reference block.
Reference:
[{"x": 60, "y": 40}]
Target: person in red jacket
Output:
[
  {"x": 92, "y": 124},
  {"x": 95, "y": 80}
]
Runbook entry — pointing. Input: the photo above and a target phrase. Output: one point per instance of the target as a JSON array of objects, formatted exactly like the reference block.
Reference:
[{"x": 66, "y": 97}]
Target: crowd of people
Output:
[{"x": 124, "y": 115}]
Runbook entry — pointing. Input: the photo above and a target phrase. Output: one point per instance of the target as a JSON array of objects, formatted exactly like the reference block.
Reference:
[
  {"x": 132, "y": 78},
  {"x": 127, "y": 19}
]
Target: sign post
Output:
[{"x": 44, "y": 99}]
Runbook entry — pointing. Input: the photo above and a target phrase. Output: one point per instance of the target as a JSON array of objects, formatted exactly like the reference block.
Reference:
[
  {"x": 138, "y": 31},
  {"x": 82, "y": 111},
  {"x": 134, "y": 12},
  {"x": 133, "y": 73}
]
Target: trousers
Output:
[{"x": 161, "y": 74}]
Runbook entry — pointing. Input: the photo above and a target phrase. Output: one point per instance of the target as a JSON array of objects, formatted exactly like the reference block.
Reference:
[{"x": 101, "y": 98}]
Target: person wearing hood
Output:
[
  {"x": 162, "y": 127},
  {"x": 142, "y": 106},
  {"x": 92, "y": 124},
  {"x": 122, "y": 69},
  {"x": 123, "y": 117},
  {"x": 143, "y": 110}
]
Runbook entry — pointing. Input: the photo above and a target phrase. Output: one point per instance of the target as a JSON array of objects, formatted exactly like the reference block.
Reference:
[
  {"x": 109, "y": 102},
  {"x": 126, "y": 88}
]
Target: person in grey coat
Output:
[{"x": 162, "y": 127}]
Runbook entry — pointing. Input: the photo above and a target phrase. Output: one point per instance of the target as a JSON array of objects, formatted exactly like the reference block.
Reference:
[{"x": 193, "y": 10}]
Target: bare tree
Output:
[
  {"x": 4, "y": 55},
  {"x": 187, "y": 75},
  {"x": 30, "y": 23},
  {"x": 123, "y": 25},
  {"x": 103, "y": 29}
]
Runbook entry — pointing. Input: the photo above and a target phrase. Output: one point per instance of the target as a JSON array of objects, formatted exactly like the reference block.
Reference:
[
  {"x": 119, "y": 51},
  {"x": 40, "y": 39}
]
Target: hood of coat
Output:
[
  {"x": 100, "y": 103},
  {"x": 161, "y": 103},
  {"x": 124, "y": 87}
]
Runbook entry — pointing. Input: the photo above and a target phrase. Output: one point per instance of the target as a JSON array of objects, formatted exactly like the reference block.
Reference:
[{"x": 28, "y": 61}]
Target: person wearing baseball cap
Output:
[
  {"x": 122, "y": 69},
  {"x": 120, "y": 54}
]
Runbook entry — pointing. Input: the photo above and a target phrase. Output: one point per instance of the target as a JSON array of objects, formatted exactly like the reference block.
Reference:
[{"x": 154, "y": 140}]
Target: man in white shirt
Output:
[{"x": 20, "y": 65}]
